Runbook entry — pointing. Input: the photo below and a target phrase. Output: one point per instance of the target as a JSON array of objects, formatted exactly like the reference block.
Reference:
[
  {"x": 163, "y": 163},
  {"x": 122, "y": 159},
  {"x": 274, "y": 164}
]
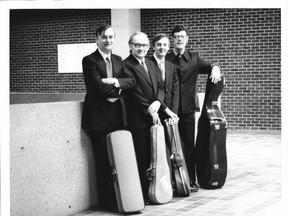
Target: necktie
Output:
[
  {"x": 109, "y": 68},
  {"x": 109, "y": 75},
  {"x": 178, "y": 60},
  {"x": 162, "y": 68},
  {"x": 145, "y": 67}
]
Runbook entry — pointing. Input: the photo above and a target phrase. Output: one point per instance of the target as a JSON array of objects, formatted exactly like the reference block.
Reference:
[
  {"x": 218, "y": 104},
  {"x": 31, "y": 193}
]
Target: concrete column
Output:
[{"x": 124, "y": 22}]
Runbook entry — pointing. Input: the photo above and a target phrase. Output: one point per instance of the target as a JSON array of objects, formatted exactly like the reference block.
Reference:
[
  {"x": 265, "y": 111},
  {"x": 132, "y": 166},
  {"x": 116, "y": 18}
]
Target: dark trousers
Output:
[
  {"x": 105, "y": 188},
  {"x": 142, "y": 145},
  {"x": 187, "y": 133}
]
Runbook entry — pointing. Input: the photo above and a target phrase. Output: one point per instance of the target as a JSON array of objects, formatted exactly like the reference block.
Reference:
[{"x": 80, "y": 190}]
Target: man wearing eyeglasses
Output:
[
  {"x": 143, "y": 101},
  {"x": 103, "y": 107},
  {"x": 189, "y": 65}
]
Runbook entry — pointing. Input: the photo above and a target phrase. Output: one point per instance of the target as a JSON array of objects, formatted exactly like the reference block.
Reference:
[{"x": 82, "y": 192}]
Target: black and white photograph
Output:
[{"x": 147, "y": 108}]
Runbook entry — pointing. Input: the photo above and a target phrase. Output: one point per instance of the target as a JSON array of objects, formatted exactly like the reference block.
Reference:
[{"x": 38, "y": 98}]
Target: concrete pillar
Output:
[{"x": 124, "y": 22}]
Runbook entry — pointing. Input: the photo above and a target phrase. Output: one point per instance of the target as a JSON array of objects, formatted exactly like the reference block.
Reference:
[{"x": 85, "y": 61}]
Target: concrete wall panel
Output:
[{"x": 52, "y": 165}]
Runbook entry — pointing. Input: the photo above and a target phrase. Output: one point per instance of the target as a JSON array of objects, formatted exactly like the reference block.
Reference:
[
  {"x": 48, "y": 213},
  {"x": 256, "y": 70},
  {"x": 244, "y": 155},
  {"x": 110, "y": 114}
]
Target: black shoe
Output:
[
  {"x": 148, "y": 202},
  {"x": 194, "y": 187}
]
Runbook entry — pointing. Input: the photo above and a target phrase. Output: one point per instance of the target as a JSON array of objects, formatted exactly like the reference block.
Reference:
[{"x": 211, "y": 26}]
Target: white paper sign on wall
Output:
[{"x": 70, "y": 56}]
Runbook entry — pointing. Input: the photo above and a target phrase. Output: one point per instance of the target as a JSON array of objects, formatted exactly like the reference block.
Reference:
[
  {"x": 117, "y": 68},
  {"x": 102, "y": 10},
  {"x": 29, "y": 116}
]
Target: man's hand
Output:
[
  {"x": 173, "y": 117},
  {"x": 155, "y": 118},
  {"x": 154, "y": 107},
  {"x": 111, "y": 81},
  {"x": 215, "y": 74}
]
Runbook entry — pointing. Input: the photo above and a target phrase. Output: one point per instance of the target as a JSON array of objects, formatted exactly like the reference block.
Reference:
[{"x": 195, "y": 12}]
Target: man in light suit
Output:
[
  {"x": 189, "y": 66},
  {"x": 103, "y": 110},
  {"x": 143, "y": 101}
]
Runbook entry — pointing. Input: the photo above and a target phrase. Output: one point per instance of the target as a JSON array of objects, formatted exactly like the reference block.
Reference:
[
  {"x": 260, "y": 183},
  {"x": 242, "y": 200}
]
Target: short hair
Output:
[
  {"x": 100, "y": 30},
  {"x": 179, "y": 28},
  {"x": 158, "y": 37},
  {"x": 137, "y": 33}
]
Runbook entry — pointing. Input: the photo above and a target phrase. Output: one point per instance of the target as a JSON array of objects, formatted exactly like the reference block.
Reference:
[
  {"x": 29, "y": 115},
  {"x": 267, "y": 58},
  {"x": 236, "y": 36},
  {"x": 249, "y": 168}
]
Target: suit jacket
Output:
[
  {"x": 171, "y": 85},
  {"x": 98, "y": 111},
  {"x": 191, "y": 66},
  {"x": 145, "y": 92}
]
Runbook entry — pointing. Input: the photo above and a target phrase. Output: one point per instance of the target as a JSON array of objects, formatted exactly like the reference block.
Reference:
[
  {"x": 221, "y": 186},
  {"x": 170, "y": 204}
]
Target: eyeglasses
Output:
[
  {"x": 179, "y": 36},
  {"x": 137, "y": 45}
]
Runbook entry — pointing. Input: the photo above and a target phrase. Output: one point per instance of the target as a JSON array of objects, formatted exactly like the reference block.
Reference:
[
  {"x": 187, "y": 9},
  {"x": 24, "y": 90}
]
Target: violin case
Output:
[
  {"x": 124, "y": 172},
  {"x": 160, "y": 187},
  {"x": 180, "y": 174}
]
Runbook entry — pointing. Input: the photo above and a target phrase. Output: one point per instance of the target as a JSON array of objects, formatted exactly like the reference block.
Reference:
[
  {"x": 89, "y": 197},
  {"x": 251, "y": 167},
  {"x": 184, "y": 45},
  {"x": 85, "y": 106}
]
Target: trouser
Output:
[
  {"x": 105, "y": 188},
  {"x": 187, "y": 133},
  {"x": 142, "y": 145}
]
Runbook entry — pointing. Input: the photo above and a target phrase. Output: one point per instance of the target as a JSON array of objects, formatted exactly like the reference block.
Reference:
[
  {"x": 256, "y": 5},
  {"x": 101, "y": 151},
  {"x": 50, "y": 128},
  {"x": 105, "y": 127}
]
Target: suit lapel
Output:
[
  {"x": 140, "y": 69},
  {"x": 168, "y": 74},
  {"x": 142, "y": 72},
  {"x": 153, "y": 75},
  {"x": 101, "y": 63},
  {"x": 116, "y": 66}
]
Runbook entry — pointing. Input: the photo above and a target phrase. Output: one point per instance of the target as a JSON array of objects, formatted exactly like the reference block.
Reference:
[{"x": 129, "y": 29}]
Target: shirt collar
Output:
[
  {"x": 104, "y": 55},
  {"x": 158, "y": 60},
  {"x": 183, "y": 54},
  {"x": 174, "y": 51},
  {"x": 139, "y": 60}
]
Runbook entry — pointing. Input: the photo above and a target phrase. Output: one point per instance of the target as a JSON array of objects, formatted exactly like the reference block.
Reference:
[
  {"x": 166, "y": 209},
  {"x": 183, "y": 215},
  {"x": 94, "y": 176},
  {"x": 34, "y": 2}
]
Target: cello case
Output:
[
  {"x": 179, "y": 169},
  {"x": 124, "y": 171},
  {"x": 211, "y": 159},
  {"x": 160, "y": 187}
]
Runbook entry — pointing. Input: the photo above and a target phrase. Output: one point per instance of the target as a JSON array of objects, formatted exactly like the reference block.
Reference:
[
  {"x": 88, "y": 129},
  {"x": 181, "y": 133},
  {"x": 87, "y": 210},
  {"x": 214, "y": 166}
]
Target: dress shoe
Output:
[
  {"x": 148, "y": 202},
  {"x": 194, "y": 187}
]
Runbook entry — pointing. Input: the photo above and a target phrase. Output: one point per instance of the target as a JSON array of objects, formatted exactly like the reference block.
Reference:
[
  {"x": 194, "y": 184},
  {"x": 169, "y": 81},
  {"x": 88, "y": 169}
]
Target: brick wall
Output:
[
  {"x": 34, "y": 36},
  {"x": 246, "y": 43}
]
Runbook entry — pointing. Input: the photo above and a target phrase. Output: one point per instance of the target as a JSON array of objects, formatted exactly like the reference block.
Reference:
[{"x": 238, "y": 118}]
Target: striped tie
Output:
[{"x": 145, "y": 67}]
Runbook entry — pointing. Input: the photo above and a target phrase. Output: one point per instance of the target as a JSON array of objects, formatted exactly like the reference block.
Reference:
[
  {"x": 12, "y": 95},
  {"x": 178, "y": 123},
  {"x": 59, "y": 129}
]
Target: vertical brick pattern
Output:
[
  {"x": 247, "y": 45},
  {"x": 34, "y": 36}
]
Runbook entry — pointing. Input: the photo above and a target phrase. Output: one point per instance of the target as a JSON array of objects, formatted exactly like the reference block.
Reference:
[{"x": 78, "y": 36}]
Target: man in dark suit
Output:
[
  {"x": 103, "y": 107},
  {"x": 189, "y": 65},
  {"x": 143, "y": 102},
  {"x": 168, "y": 74}
]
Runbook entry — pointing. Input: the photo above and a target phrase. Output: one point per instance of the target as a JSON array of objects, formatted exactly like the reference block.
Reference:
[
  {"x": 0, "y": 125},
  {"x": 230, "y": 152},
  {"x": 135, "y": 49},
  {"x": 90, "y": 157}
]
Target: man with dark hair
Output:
[
  {"x": 167, "y": 73},
  {"x": 103, "y": 110},
  {"x": 189, "y": 65}
]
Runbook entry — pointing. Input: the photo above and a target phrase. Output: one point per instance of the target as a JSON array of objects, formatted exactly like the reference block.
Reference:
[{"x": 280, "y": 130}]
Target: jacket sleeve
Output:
[
  {"x": 205, "y": 67},
  {"x": 93, "y": 81},
  {"x": 135, "y": 93},
  {"x": 126, "y": 81}
]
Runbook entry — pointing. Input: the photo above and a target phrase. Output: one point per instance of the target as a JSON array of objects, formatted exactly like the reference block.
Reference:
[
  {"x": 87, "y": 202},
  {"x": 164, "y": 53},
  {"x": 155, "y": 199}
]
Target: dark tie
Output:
[
  {"x": 177, "y": 60},
  {"x": 109, "y": 68}
]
